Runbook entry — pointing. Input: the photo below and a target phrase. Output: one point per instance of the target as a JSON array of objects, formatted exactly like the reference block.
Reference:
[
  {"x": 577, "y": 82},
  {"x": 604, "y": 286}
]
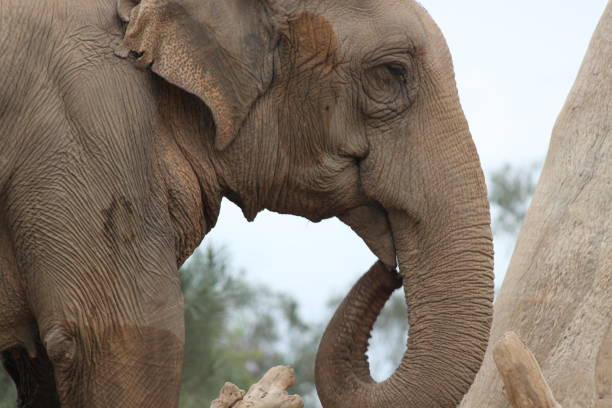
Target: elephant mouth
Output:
[{"x": 371, "y": 223}]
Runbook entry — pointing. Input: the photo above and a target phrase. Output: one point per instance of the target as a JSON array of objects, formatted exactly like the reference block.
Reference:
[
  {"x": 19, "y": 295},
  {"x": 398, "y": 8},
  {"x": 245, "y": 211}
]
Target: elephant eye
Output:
[
  {"x": 390, "y": 88},
  {"x": 398, "y": 71},
  {"x": 385, "y": 81}
]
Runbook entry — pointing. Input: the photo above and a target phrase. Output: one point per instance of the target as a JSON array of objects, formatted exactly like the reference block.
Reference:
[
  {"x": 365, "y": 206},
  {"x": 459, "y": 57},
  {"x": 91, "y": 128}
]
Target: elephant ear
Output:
[{"x": 219, "y": 50}]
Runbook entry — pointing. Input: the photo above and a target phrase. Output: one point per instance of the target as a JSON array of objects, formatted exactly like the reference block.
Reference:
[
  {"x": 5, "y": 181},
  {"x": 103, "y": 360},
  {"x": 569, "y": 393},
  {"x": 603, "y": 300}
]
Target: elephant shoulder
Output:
[
  {"x": 60, "y": 53},
  {"x": 47, "y": 35}
]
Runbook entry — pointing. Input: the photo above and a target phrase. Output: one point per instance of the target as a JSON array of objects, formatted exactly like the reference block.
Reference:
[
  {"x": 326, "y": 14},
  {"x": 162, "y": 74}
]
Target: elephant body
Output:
[
  {"x": 107, "y": 197},
  {"x": 123, "y": 124}
]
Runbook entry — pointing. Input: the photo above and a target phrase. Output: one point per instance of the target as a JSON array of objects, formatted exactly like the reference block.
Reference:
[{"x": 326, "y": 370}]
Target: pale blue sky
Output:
[{"x": 515, "y": 63}]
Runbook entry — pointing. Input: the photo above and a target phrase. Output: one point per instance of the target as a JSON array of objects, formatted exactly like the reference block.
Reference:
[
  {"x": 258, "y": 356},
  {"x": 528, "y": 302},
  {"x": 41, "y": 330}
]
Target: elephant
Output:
[{"x": 123, "y": 124}]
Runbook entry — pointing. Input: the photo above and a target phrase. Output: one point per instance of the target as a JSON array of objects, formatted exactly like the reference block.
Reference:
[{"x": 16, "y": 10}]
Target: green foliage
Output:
[
  {"x": 511, "y": 189},
  {"x": 236, "y": 330},
  {"x": 8, "y": 396}
]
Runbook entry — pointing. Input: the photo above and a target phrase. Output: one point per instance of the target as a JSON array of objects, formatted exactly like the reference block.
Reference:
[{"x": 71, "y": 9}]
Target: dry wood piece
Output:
[
  {"x": 228, "y": 396},
  {"x": 523, "y": 380},
  {"x": 269, "y": 392}
]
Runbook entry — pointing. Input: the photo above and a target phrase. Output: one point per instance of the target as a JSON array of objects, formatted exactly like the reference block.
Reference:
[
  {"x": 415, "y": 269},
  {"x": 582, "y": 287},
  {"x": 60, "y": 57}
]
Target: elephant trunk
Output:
[{"x": 446, "y": 275}]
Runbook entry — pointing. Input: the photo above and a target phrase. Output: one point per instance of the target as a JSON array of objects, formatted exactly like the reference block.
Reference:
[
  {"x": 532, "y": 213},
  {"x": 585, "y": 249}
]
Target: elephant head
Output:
[{"x": 349, "y": 109}]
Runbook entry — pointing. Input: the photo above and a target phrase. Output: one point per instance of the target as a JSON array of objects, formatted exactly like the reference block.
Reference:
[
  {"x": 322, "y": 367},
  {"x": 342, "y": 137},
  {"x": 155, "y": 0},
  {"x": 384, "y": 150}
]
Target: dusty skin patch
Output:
[
  {"x": 114, "y": 226},
  {"x": 306, "y": 65},
  {"x": 315, "y": 41}
]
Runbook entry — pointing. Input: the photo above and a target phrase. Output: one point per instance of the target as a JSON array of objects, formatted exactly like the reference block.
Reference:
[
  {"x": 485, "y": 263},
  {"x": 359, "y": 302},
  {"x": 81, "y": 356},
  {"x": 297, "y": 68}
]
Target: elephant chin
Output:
[{"x": 370, "y": 222}]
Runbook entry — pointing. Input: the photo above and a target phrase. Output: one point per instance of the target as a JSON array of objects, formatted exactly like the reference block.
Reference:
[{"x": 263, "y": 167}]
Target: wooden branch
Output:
[
  {"x": 523, "y": 380},
  {"x": 269, "y": 392},
  {"x": 228, "y": 396}
]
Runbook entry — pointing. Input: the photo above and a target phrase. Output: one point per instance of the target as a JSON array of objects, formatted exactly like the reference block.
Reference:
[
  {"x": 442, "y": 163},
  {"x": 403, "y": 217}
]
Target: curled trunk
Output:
[{"x": 449, "y": 316}]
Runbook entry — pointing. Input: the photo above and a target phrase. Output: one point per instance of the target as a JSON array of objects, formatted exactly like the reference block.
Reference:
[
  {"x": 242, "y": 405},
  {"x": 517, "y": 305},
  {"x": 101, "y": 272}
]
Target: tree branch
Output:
[
  {"x": 523, "y": 380},
  {"x": 269, "y": 392}
]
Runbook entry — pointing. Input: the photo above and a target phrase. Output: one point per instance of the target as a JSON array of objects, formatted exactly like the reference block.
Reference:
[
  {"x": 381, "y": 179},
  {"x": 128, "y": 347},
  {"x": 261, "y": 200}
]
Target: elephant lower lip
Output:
[{"x": 372, "y": 225}]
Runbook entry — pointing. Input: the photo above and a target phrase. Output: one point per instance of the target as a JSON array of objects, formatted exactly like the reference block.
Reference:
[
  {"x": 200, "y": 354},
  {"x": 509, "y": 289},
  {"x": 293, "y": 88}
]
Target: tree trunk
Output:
[{"x": 557, "y": 294}]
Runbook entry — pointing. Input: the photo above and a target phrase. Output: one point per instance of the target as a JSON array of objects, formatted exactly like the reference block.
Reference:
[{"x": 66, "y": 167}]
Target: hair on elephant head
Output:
[{"x": 327, "y": 108}]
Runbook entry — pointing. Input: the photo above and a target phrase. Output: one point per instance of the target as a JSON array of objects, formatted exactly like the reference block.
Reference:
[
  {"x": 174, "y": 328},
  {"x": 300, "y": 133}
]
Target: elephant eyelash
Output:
[{"x": 398, "y": 71}]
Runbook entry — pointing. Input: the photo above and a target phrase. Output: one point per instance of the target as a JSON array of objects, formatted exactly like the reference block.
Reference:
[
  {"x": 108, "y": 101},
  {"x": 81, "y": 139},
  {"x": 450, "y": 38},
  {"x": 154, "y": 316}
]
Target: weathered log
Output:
[
  {"x": 228, "y": 396},
  {"x": 269, "y": 392},
  {"x": 523, "y": 380}
]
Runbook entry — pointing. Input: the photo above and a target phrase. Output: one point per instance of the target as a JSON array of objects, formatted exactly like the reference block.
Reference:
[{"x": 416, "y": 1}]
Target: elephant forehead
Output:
[{"x": 366, "y": 26}]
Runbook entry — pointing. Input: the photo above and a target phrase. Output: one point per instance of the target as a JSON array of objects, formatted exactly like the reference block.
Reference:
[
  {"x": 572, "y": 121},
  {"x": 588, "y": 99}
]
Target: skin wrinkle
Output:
[{"x": 205, "y": 204}]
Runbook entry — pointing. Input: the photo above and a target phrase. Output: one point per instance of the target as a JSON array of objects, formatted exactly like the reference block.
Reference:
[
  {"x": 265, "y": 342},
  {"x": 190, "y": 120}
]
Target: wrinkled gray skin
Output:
[{"x": 123, "y": 124}]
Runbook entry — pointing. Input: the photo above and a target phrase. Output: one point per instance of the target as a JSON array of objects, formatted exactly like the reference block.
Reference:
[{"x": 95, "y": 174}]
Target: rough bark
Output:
[
  {"x": 524, "y": 382},
  {"x": 557, "y": 291},
  {"x": 269, "y": 392}
]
